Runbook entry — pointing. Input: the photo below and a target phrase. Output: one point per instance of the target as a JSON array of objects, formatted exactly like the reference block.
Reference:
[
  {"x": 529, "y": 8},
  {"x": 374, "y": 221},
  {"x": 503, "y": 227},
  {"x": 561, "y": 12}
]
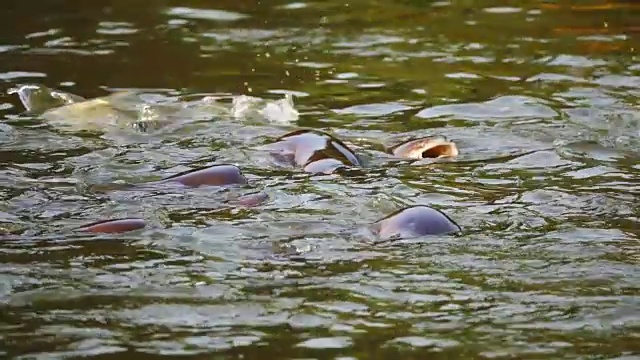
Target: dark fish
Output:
[
  {"x": 315, "y": 151},
  {"x": 114, "y": 226},
  {"x": 216, "y": 175},
  {"x": 415, "y": 221}
]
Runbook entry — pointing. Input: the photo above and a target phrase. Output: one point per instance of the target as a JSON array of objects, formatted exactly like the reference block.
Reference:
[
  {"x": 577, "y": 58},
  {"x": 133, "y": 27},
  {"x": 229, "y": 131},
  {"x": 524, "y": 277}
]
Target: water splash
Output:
[{"x": 278, "y": 111}]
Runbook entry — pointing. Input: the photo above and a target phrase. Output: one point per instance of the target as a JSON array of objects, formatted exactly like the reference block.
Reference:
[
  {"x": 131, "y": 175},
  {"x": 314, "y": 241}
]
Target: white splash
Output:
[{"x": 275, "y": 111}]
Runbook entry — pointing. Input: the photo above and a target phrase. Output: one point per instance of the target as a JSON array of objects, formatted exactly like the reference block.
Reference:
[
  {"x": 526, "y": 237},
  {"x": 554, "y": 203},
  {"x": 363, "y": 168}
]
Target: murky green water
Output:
[{"x": 542, "y": 100}]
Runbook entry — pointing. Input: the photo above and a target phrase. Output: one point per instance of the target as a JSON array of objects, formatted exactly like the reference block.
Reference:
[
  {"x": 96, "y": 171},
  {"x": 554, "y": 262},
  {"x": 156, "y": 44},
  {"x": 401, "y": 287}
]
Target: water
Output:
[{"x": 540, "y": 97}]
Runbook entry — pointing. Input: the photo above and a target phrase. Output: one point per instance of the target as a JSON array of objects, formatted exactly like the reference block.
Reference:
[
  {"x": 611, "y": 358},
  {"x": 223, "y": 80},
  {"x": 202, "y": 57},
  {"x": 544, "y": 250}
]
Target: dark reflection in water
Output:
[{"x": 539, "y": 97}]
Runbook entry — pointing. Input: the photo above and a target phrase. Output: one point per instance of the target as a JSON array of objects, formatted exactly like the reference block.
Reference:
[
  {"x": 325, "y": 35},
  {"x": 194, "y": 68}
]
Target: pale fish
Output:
[
  {"x": 68, "y": 110},
  {"x": 427, "y": 147}
]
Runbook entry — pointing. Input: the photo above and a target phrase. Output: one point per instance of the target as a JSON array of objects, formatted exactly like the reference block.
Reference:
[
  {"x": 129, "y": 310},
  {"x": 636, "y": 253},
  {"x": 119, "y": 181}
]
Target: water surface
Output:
[{"x": 541, "y": 98}]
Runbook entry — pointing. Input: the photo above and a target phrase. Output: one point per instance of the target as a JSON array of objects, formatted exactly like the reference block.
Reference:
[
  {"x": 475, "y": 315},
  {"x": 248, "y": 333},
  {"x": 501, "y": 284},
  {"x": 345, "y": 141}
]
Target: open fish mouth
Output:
[{"x": 432, "y": 147}]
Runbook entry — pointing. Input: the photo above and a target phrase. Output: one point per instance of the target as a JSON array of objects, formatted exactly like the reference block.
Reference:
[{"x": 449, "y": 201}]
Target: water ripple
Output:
[{"x": 540, "y": 99}]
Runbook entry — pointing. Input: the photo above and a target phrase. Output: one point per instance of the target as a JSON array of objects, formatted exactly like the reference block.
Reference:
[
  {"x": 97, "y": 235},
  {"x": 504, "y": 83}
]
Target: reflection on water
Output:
[{"x": 540, "y": 99}]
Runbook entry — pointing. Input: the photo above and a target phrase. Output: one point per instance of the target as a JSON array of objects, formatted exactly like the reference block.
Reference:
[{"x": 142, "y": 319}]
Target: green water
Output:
[{"x": 540, "y": 98}]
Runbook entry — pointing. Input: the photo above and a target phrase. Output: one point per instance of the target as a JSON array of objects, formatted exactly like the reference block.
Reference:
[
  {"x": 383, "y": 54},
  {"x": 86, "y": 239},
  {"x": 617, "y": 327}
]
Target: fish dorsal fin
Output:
[{"x": 39, "y": 98}]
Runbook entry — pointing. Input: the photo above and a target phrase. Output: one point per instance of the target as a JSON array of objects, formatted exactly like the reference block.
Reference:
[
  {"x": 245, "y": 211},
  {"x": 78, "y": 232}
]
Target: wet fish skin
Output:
[
  {"x": 425, "y": 147},
  {"x": 216, "y": 175},
  {"x": 114, "y": 225},
  {"x": 39, "y": 98},
  {"x": 415, "y": 221},
  {"x": 315, "y": 151}
]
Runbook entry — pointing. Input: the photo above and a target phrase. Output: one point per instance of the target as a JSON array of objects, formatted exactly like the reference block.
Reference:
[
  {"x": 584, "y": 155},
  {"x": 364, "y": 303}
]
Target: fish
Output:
[
  {"x": 315, "y": 151},
  {"x": 415, "y": 221},
  {"x": 221, "y": 174},
  {"x": 114, "y": 226},
  {"x": 433, "y": 147}
]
